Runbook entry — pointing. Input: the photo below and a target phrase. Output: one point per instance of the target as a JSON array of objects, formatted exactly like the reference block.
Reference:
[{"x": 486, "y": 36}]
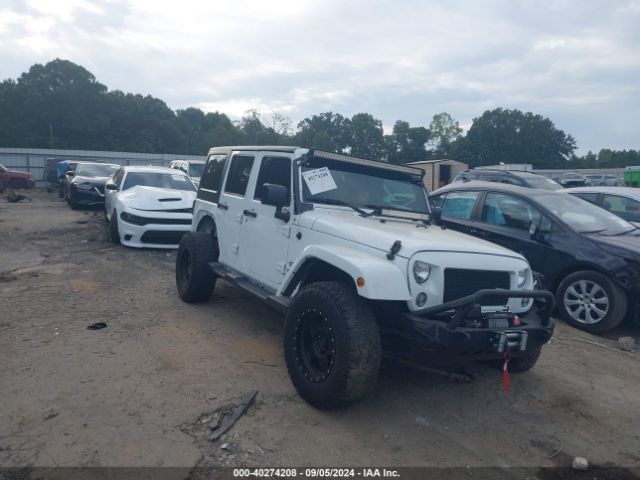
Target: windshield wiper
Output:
[
  {"x": 335, "y": 201},
  {"x": 595, "y": 231},
  {"x": 624, "y": 232}
]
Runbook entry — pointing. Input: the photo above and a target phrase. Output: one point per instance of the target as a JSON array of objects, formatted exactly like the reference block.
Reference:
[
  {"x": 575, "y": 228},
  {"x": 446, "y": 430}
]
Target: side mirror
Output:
[
  {"x": 277, "y": 196},
  {"x": 111, "y": 186},
  {"x": 436, "y": 213}
]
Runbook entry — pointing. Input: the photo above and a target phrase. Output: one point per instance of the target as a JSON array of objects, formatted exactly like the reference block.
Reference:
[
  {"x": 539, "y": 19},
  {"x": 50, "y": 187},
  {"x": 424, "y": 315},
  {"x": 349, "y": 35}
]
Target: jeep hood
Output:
[
  {"x": 154, "y": 198},
  {"x": 381, "y": 235}
]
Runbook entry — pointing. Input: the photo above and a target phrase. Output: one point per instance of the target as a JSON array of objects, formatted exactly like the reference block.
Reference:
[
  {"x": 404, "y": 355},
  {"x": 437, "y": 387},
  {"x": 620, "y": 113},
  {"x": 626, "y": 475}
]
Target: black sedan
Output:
[
  {"x": 86, "y": 184},
  {"x": 590, "y": 258}
]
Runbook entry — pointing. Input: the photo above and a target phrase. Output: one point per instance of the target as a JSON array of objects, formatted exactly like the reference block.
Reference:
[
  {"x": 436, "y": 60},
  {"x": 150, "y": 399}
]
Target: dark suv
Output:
[{"x": 511, "y": 177}]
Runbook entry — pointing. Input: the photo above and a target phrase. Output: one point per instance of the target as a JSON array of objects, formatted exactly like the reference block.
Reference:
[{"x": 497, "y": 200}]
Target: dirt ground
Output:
[{"x": 132, "y": 394}]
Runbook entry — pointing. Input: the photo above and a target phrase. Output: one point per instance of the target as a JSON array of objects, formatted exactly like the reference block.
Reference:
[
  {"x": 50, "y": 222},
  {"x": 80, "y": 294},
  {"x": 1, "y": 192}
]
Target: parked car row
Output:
[
  {"x": 145, "y": 206},
  {"x": 364, "y": 263},
  {"x": 589, "y": 257},
  {"x": 533, "y": 180}
]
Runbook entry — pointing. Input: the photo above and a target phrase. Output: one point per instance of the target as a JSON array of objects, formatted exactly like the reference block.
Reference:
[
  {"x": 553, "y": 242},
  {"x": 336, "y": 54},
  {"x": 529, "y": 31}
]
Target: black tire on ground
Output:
[
  {"x": 524, "y": 363},
  {"x": 194, "y": 278},
  {"x": 617, "y": 301},
  {"x": 113, "y": 229},
  {"x": 73, "y": 202},
  {"x": 332, "y": 345}
]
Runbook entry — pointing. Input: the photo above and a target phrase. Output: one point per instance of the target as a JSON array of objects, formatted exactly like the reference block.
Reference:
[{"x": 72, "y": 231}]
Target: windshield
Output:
[
  {"x": 336, "y": 182},
  {"x": 96, "y": 170},
  {"x": 174, "y": 181},
  {"x": 196, "y": 169},
  {"x": 543, "y": 183},
  {"x": 582, "y": 216}
]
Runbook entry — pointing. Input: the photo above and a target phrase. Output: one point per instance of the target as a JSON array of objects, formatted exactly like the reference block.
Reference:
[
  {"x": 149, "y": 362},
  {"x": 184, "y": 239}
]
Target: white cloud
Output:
[{"x": 576, "y": 62}]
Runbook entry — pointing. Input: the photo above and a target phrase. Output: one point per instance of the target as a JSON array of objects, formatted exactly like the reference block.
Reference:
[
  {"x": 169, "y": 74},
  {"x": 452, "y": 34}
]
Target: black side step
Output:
[{"x": 275, "y": 301}]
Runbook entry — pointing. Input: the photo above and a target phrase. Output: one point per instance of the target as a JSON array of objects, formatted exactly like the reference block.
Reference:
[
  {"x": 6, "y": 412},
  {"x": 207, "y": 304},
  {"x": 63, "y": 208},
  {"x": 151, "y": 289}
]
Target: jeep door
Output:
[
  {"x": 264, "y": 238},
  {"x": 507, "y": 219},
  {"x": 231, "y": 206}
]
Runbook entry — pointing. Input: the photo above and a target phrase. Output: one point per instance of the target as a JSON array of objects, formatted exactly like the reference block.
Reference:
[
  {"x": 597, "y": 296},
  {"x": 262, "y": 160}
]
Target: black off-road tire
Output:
[
  {"x": 524, "y": 363},
  {"x": 113, "y": 229},
  {"x": 194, "y": 279},
  {"x": 357, "y": 350},
  {"x": 617, "y": 302}
]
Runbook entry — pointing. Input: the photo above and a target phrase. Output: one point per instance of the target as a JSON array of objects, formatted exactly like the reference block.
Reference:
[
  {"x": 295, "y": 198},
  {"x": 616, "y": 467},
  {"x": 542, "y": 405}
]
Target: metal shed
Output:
[{"x": 438, "y": 173}]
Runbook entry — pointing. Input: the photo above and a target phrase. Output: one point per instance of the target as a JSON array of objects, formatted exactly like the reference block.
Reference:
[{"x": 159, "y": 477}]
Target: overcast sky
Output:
[{"x": 576, "y": 62}]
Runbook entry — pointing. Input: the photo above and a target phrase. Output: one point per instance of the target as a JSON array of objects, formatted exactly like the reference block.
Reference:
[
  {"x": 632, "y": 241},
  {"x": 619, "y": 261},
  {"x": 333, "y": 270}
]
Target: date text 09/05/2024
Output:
[{"x": 315, "y": 472}]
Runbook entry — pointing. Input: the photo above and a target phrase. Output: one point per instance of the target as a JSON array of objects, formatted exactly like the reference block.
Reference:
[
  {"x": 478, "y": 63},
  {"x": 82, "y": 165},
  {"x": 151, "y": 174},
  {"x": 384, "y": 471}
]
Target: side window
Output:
[
  {"x": 623, "y": 207},
  {"x": 238, "y": 177},
  {"x": 276, "y": 170},
  {"x": 589, "y": 197},
  {"x": 508, "y": 211},
  {"x": 117, "y": 177},
  {"x": 459, "y": 205},
  {"x": 212, "y": 177},
  {"x": 511, "y": 180}
]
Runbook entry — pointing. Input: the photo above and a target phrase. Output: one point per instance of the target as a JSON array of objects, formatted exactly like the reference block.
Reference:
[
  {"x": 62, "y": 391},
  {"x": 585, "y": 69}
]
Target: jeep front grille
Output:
[{"x": 460, "y": 282}]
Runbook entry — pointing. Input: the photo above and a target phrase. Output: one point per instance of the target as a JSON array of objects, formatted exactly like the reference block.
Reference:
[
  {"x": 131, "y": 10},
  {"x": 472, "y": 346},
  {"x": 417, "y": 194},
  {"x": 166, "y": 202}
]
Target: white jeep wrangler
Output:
[{"x": 349, "y": 250}]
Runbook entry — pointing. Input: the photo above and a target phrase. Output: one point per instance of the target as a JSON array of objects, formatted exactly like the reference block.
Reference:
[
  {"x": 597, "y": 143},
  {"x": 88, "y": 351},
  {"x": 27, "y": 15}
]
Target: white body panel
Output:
[
  {"x": 270, "y": 252},
  {"x": 170, "y": 207}
]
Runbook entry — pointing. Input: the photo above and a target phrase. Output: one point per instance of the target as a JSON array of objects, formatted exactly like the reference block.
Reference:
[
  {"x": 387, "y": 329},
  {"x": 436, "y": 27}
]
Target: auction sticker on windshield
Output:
[{"x": 319, "y": 180}]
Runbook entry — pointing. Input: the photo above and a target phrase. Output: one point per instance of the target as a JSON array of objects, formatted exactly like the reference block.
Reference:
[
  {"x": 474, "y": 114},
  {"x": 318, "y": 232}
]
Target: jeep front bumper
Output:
[{"x": 459, "y": 331}]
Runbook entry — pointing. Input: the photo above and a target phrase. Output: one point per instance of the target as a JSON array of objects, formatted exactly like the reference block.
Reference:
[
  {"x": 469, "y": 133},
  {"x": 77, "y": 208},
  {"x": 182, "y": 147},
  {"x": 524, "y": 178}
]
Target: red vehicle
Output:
[{"x": 14, "y": 179}]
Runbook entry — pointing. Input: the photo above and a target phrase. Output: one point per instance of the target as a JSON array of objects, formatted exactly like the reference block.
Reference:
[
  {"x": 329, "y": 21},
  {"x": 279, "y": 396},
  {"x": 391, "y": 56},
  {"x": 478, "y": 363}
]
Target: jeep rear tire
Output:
[
  {"x": 194, "y": 279},
  {"x": 332, "y": 345}
]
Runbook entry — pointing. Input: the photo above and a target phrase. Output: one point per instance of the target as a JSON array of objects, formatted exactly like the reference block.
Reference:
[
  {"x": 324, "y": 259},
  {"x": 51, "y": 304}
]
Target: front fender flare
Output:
[{"x": 383, "y": 279}]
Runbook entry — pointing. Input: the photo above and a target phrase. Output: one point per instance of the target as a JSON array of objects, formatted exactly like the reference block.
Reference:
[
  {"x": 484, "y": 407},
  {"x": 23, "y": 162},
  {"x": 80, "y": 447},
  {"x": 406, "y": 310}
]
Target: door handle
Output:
[
  {"x": 223, "y": 206},
  {"x": 250, "y": 213}
]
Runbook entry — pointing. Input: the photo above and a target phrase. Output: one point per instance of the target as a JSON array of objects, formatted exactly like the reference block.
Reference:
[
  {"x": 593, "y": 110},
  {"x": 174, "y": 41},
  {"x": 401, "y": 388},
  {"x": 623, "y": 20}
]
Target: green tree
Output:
[
  {"x": 511, "y": 136},
  {"x": 326, "y": 131},
  {"x": 367, "y": 137},
  {"x": 444, "y": 130},
  {"x": 406, "y": 143}
]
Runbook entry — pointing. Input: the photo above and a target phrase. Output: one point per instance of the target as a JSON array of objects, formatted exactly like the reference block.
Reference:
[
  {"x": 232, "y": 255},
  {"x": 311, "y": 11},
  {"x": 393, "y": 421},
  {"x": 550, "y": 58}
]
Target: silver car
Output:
[
  {"x": 603, "y": 180},
  {"x": 621, "y": 201}
]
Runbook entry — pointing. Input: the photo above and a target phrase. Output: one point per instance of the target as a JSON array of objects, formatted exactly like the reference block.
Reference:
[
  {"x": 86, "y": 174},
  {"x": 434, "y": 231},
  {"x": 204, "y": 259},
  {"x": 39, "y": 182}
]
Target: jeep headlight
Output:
[
  {"x": 421, "y": 271},
  {"x": 523, "y": 276}
]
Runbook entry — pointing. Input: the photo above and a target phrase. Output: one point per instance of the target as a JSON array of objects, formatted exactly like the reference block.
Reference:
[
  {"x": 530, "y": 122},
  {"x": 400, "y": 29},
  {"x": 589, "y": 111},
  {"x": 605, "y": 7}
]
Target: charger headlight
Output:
[
  {"x": 84, "y": 186},
  {"x": 421, "y": 271},
  {"x": 523, "y": 276}
]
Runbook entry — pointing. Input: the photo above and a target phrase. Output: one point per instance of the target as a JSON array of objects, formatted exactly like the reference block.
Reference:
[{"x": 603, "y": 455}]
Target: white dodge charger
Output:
[{"x": 149, "y": 206}]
